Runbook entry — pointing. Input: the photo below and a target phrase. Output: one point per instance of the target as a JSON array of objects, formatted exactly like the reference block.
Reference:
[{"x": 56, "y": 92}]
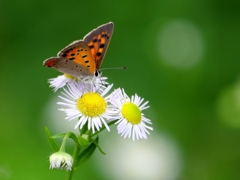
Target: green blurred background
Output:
[{"x": 182, "y": 56}]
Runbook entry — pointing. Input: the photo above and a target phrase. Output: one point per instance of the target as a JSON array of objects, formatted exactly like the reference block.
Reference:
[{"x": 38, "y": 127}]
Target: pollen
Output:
[
  {"x": 131, "y": 113},
  {"x": 91, "y": 104},
  {"x": 68, "y": 76}
]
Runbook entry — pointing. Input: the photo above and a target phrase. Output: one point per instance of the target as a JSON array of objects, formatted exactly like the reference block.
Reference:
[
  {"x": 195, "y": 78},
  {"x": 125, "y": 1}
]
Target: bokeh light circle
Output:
[
  {"x": 228, "y": 106},
  {"x": 180, "y": 44},
  {"x": 157, "y": 158}
]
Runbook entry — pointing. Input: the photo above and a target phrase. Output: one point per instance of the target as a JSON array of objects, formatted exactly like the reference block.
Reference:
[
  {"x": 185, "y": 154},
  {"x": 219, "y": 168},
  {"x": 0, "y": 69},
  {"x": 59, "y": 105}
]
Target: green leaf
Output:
[
  {"x": 59, "y": 136},
  {"x": 87, "y": 153},
  {"x": 99, "y": 148},
  {"x": 70, "y": 135},
  {"x": 74, "y": 137},
  {"x": 52, "y": 142}
]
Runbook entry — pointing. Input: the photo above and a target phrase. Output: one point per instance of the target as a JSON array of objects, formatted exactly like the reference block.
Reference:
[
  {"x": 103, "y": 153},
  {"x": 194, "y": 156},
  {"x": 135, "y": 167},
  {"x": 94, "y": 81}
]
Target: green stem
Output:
[
  {"x": 75, "y": 162},
  {"x": 62, "y": 148}
]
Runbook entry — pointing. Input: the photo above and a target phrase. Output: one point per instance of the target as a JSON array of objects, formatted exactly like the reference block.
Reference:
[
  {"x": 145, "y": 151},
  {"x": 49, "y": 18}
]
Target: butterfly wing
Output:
[
  {"x": 98, "y": 40},
  {"x": 79, "y": 55},
  {"x": 65, "y": 65},
  {"x": 83, "y": 57}
]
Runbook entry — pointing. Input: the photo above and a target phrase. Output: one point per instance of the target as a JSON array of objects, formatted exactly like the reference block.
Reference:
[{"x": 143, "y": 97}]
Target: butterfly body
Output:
[{"x": 83, "y": 57}]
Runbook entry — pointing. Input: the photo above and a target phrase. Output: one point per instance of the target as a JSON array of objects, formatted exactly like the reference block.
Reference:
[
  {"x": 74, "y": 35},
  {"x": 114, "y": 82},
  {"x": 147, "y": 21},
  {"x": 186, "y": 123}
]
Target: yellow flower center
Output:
[
  {"x": 91, "y": 104},
  {"x": 68, "y": 76},
  {"x": 131, "y": 113}
]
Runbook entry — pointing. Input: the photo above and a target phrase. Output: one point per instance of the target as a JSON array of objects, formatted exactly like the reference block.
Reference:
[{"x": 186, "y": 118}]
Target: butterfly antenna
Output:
[{"x": 120, "y": 68}]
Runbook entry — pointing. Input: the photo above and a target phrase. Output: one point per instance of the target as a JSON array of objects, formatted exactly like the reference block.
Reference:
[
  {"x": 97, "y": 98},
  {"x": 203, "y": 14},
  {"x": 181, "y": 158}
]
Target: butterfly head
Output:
[{"x": 97, "y": 73}]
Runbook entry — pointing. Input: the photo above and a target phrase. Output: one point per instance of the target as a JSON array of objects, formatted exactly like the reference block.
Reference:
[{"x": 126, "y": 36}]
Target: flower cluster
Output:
[{"x": 91, "y": 101}]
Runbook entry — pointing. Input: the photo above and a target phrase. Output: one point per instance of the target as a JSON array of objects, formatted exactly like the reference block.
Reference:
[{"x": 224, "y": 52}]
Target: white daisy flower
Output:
[
  {"x": 61, "y": 160},
  {"x": 88, "y": 103},
  {"x": 132, "y": 122},
  {"x": 61, "y": 81}
]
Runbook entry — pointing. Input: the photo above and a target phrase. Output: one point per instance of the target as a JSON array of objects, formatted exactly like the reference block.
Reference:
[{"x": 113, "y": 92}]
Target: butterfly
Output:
[{"x": 83, "y": 57}]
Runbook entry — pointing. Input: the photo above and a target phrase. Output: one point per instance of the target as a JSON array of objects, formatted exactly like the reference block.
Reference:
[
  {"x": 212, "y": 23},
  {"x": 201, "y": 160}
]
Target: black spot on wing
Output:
[{"x": 92, "y": 46}]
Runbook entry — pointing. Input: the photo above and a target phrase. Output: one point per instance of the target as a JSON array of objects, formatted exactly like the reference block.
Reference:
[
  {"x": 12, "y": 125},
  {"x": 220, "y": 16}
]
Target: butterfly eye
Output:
[{"x": 97, "y": 73}]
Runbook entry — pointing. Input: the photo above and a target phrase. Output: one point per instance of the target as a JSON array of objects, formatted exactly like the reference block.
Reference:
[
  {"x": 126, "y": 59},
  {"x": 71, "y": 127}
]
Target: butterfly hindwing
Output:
[
  {"x": 65, "y": 65},
  {"x": 98, "y": 40},
  {"x": 78, "y": 52}
]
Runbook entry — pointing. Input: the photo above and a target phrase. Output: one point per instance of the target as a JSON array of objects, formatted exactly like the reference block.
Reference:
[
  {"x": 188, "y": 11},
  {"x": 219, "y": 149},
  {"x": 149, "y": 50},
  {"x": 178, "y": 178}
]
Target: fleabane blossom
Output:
[
  {"x": 89, "y": 104},
  {"x": 63, "y": 80},
  {"x": 131, "y": 121},
  {"x": 61, "y": 160}
]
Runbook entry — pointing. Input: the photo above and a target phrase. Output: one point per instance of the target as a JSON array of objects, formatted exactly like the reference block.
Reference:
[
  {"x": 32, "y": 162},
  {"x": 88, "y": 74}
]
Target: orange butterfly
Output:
[{"x": 83, "y": 57}]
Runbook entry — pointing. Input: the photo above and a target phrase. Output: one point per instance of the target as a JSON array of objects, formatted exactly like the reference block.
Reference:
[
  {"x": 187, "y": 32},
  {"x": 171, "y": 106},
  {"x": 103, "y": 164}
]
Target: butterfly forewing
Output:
[
  {"x": 98, "y": 40},
  {"x": 78, "y": 52}
]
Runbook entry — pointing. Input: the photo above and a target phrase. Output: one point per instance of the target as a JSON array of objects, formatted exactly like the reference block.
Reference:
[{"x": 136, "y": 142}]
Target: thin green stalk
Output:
[
  {"x": 62, "y": 148},
  {"x": 76, "y": 152}
]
